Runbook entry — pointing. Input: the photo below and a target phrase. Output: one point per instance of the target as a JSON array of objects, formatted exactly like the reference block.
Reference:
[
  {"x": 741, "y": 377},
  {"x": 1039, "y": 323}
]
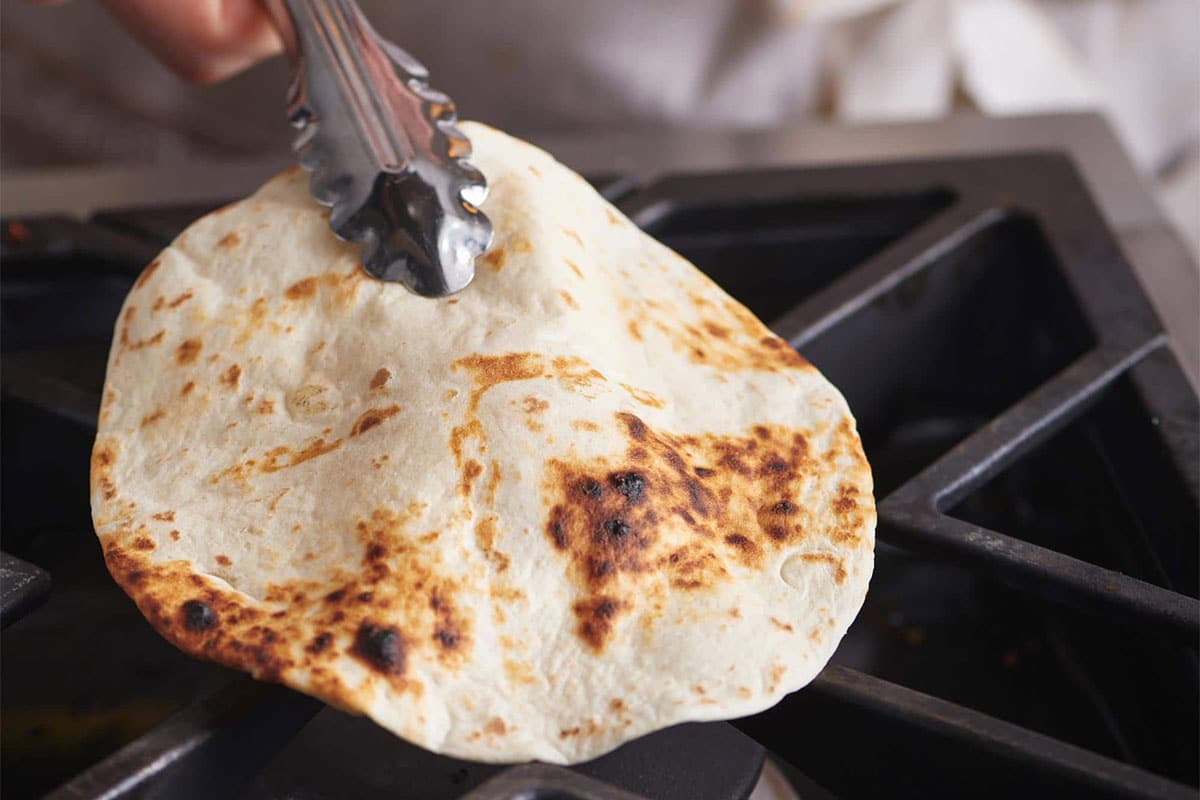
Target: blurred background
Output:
[{"x": 77, "y": 90}]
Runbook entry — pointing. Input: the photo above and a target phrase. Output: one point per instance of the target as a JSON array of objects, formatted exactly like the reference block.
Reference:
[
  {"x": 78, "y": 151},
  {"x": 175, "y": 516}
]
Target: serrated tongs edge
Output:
[{"x": 383, "y": 147}]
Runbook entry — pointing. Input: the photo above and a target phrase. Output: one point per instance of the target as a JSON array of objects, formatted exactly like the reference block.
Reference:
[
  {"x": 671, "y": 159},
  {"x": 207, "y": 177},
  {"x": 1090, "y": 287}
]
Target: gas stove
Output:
[{"x": 1033, "y": 622}]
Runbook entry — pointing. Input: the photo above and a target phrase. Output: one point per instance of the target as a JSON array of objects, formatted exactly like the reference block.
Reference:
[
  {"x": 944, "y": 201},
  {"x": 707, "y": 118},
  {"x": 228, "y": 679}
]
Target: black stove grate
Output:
[{"x": 1033, "y": 623}]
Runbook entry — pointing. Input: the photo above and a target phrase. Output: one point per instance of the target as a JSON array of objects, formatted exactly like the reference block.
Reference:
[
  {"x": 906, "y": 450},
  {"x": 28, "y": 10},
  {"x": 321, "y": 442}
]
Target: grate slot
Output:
[
  {"x": 1103, "y": 490},
  {"x": 870, "y": 738},
  {"x": 209, "y": 749},
  {"x": 773, "y": 255}
]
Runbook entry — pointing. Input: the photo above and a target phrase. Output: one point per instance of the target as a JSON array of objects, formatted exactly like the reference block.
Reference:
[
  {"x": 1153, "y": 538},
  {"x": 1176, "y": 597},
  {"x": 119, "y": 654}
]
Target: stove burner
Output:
[{"x": 1033, "y": 623}]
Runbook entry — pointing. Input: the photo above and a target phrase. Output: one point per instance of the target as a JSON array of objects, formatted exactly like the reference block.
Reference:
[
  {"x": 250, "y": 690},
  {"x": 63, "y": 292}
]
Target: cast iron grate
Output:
[{"x": 1033, "y": 623}]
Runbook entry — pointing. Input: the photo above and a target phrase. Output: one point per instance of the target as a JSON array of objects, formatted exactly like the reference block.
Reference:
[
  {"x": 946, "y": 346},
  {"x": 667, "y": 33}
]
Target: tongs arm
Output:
[{"x": 383, "y": 148}]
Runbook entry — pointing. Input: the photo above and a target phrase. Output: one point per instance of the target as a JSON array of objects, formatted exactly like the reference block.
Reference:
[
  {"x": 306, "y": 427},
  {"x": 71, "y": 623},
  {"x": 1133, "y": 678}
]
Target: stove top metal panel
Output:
[{"x": 1033, "y": 622}]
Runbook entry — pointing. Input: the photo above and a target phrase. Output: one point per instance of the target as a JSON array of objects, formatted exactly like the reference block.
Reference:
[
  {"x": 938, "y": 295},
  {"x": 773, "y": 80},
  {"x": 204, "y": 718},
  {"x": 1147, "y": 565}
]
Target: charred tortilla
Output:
[{"x": 589, "y": 497}]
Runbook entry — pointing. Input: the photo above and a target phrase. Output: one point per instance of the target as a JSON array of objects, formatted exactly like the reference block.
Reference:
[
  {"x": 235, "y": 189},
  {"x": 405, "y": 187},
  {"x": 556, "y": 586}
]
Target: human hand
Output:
[{"x": 204, "y": 41}]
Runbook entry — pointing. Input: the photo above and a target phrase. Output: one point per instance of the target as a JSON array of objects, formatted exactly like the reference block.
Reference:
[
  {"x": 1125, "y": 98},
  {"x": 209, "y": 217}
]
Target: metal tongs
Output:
[{"x": 383, "y": 148}]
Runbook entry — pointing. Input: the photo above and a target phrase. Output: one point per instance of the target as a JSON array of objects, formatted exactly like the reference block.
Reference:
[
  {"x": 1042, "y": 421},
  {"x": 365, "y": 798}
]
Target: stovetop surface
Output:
[{"x": 1033, "y": 620}]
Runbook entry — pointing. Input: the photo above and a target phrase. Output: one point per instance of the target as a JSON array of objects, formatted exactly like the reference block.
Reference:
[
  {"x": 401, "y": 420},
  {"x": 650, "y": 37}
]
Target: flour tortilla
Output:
[{"x": 590, "y": 497}]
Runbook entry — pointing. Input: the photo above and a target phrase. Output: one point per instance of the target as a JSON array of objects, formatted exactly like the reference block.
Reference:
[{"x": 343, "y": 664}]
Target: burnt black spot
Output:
[
  {"x": 319, "y": 643},
  {"x": 605, "y": 608},
  {"x": 366, "y": 597},
  {"x": 447, "y": 639},
  {"x": 335, "y": 596},
  {"x": 198, "y": 616},
  {"x": 376, "y": 552},
  {"x": 591, "y": 488},
  {"x": 704, "y": 472},
  {"x": 784, "y": 507},
  {"x": 630, "y": 484},
  {"x": 776, "y": 465},
  {"x": 382, "y": 648},
  {"x": 617, "y": 528}
]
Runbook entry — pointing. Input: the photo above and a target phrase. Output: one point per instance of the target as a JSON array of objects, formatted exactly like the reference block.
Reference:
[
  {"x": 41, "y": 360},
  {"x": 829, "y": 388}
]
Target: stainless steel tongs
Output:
[{"x": 383, "y": 148}]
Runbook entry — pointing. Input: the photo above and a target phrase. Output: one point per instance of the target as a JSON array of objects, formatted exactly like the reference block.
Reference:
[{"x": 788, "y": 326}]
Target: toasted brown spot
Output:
[
  {"x": 380, "y": 377},
  {"x": 187, "y": 388},
  {"x": 188, "y": 351},
  {"x": 777, "y": 673},
  {"x": 180, "y": 300},
  {"x": 223, "y": 560},
  {"x": 588, "y": 729},
  {"x": 584, "y": 425},
  {"x": 318, "y": 447},
  {"x": 275, "y": 500},
  {"x": 301, "y": 290},
  {"x": 574, "y": 268},
  {"x": 574, "y": 235},
  {"x": 568, "y": 299},
  {"x": 147, "y": 273},
  {"x": 127, "y": 342},
  {"x": 174, "y": 536},
  {"x": 596, "y": 616},
  {"x": 153, "y": 417},
  {"x": 606, "y": 516},
  {"x": 613, "y": 219},
  {"x": 372, "y": 417},
  {"x": 231, "y": 376},
  {"x": 839, "y": 569},
  {"x": 488, "y": 372},
  {"x": 164, "y": 516},
  {"x": 495, "y": 259},
  {"x": 230, "y": 240},
  {"x": 519, "y": 672},
  {"x": 643, "y": 396},
  {"x": 496, "y": 727},
  {"x": 493, "y": 483},
  {"x": 266, "y": 407},
  {"x": 143, "y": 543},
  {"x": 719, "y": 331},
  {"x": 783, "y": 626},
  {"x": 634, "y": 330},
  {"x": 636, "y": 428},
  {"x": 740, "y": 542},
  {"x": 472, "y": 469}
]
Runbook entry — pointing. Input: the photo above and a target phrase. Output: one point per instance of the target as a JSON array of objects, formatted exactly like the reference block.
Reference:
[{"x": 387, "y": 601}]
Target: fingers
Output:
[{"x": 202, "y": 40}]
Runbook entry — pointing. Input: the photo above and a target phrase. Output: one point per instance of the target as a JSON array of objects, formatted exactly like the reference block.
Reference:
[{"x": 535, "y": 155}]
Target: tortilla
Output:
[{"x": 590, "y": 497}]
